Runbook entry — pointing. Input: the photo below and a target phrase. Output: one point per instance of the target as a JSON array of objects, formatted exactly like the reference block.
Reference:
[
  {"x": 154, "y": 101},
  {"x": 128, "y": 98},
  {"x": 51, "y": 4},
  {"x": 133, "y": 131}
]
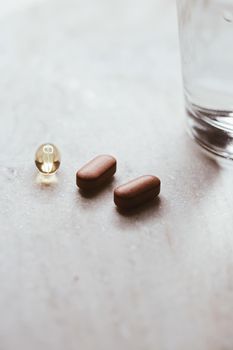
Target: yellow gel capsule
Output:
[{"x": 47, "y": 159}]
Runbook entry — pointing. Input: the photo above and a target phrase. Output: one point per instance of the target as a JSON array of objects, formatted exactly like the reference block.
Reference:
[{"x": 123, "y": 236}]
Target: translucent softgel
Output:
[{"x": 47, "y": 159}]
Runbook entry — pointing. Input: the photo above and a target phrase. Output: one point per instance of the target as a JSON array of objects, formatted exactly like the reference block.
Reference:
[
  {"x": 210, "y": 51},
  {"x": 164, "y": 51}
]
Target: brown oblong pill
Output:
[
  {"x": 96, "y": 172},
  {"x": 137, "y": 191}
]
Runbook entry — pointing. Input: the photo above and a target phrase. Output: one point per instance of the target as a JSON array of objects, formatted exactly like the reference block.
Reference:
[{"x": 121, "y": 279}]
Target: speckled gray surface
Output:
[{"x": 104, "y": 77}]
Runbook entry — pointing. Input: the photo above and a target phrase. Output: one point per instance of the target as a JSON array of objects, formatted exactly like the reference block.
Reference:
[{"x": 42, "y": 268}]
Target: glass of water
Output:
[{"x": 206, "y": 41}]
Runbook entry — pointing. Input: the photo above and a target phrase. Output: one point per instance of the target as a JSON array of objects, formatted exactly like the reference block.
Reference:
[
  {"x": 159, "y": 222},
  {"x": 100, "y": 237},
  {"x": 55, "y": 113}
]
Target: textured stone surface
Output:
[{"x": 104, "y": 77}]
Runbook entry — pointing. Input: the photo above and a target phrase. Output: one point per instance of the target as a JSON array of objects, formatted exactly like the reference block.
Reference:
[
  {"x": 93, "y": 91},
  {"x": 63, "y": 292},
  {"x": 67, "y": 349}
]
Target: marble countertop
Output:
[{"x": 104, "y": 77}]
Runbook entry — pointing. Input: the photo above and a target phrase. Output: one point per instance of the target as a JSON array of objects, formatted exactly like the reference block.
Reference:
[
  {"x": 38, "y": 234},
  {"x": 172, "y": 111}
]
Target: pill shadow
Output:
[
  {"x": 89, "y": 194},
  {"x": 146, "y": 209},
  {"x": 46, "y": 180}
]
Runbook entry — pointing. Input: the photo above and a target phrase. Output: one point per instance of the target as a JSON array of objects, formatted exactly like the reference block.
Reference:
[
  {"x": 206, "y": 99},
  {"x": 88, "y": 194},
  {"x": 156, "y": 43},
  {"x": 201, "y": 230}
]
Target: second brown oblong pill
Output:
[
  {"x": 137, "y": 192},
  {"x": 96, "y": 172}
]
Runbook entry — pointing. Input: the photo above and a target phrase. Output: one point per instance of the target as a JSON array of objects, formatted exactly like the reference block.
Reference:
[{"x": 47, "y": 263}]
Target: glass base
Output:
[{"x": 212, "y": 129}]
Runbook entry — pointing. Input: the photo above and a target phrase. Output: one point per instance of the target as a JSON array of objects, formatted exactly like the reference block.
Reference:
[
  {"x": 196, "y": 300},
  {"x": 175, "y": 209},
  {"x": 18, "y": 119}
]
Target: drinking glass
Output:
[{"x": 206, "y": 42}]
